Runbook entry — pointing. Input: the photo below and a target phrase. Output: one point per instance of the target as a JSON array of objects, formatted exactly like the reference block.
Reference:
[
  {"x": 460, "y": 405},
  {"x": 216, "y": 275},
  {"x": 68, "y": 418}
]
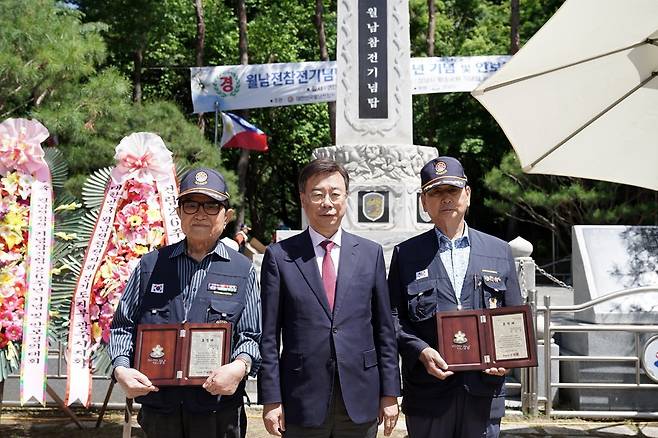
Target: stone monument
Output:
[
  {"x": 606, "y": 259},
  {"x": 374, "y": 124}
]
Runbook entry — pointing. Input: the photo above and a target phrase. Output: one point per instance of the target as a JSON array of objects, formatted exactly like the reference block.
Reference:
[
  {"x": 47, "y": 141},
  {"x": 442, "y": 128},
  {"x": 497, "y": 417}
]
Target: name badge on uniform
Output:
[
  {"x": 157, "y": 288},
  {"x": 422, "y": 274},
  {"x": 494, "y": 281},
  {"x": 223, "y": 289}
]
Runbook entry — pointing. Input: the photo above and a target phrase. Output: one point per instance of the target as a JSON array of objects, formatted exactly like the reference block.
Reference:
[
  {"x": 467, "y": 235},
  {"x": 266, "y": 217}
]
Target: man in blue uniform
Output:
[
  {"x": 450, "y": 267},
  {"x": 196, "y": 280}
]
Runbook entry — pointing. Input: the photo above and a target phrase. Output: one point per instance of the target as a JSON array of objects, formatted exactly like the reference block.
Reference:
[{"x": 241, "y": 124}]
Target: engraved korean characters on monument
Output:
[
  {"x": 373, "y": 54},
  {"x": 373, "y": 100}
]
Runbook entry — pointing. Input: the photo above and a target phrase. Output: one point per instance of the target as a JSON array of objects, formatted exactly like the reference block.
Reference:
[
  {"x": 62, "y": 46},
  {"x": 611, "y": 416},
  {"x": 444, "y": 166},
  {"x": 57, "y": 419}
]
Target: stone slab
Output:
[{"x": 620, "y": 430}]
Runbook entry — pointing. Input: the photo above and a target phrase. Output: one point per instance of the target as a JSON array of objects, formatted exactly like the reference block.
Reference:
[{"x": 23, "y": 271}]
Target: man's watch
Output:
[{"x": 247, "y": 365}]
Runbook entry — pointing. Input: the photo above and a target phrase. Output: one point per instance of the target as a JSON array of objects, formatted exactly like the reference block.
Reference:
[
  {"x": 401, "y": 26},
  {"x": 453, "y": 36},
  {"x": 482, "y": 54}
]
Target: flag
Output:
[{"x": 238, "y": 133}]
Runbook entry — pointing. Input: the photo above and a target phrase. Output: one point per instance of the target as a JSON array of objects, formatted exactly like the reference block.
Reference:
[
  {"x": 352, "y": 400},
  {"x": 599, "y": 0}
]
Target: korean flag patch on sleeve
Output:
[{"x": 157, "y": 288}]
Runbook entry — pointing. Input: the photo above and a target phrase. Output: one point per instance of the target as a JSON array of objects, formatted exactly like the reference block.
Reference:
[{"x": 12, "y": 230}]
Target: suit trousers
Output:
[
  {"x": 225, "y": 423},
  {"x": 337, "y": 424},
  {"x": 464, "y": 416}
]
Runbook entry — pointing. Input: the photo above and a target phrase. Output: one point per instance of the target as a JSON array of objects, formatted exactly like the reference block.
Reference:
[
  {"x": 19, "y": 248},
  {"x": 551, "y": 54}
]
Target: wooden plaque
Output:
[
  {"x": 181, "y": 354},
  {"x": 485, "y": 338}
]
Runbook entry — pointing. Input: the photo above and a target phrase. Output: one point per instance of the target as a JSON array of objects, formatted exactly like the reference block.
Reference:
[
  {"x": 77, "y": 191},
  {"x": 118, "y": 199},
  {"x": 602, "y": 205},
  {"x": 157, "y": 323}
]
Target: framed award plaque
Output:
[
  {"x": 181, "y": 354},
  {"x": 485, "y": 338}
]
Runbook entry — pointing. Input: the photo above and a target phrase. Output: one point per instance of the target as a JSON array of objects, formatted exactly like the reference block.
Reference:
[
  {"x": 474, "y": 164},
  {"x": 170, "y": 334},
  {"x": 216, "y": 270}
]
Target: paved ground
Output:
[{"x": 39, "y": 423}]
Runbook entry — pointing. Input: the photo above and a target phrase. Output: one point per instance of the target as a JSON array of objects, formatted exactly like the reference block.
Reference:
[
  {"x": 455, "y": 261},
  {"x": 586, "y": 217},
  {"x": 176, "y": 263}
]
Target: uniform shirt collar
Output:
[
  {"x": 317, "y": 238},
  {"x": 459, "y": 242},
  {"x": 219, "y": 250}
]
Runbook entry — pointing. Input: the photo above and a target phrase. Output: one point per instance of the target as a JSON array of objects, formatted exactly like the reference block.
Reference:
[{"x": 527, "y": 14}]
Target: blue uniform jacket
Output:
[{"x": 415, "y": 301}]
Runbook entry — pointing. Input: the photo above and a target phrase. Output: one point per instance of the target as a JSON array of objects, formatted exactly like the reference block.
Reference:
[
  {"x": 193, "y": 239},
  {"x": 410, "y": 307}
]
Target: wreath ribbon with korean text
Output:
[
  {"x": 137, "y": 215},
  {"x": 27, "y": 196}
]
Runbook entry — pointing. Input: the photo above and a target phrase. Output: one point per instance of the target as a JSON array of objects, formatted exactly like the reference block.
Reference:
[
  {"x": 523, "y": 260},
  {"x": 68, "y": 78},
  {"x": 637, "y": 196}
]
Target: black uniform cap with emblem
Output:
[
  {"x": 204, "y": 181},
  {"x": 440, "y": 171}
]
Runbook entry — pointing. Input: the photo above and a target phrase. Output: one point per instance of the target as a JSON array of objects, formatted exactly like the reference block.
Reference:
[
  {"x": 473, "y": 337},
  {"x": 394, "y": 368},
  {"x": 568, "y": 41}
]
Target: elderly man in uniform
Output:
[
  {"x": 450, "y": 267},
  {"x": 198, "y": 280}
]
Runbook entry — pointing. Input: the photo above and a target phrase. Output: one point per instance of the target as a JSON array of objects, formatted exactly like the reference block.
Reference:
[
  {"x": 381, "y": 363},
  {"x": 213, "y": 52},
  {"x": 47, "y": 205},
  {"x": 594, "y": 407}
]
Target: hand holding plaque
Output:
[
  {"x": 486, "y": 338},
  {"x": 181, "y": 354}
]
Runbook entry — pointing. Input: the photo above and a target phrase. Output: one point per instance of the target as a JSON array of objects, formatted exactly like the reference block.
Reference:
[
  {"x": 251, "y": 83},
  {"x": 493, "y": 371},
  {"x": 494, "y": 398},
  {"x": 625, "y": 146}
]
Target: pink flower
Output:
[
  {"x": 14, "y": 332},
  {"x": 132, "y": 223},
  {"x": 94, "y": 312},
  {"x": 99, "y": 299},
  {"x": 107, "y": 310},
  {"x": 136, "y": 191},
  {"x": 142, "y": 156},
  {"x": 105, "y": 320},
  {"x": 10, "y": 302},
  {"x": 106, "y": 334},
  {"x": 20, "y": 147},
  {"x": 6, "y": 318}
]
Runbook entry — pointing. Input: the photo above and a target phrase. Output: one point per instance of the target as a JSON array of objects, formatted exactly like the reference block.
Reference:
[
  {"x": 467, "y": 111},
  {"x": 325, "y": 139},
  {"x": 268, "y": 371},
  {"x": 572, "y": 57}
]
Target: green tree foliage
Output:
[
  {"x": 42, "y": 47},
  {"x": 50, "y": 72},
  {"x": 556, "y": 203},
  {"x": 62, "y": 73}
]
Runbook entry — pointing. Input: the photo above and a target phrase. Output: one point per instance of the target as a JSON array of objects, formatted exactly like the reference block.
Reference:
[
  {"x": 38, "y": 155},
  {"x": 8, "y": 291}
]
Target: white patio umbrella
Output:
[{"x": 581, "y": 97}]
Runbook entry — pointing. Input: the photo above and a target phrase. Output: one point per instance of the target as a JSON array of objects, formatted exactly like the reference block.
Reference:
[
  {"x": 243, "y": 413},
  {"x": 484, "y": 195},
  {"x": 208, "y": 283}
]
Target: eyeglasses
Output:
[
  {"x": 318, "y": 197},
  {"x": 211, "y": 208}
]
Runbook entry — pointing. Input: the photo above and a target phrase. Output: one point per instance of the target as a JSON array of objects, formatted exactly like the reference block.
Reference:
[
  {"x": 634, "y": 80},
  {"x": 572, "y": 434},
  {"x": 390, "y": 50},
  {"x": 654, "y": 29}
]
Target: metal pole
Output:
[
  {"x": 532, "y": 372},
  {"x": 216, "y": 125},
  {"x": 547, "y": 355},
  {"x": 2, "y": 393},
  {"x": 127, "y": 419},
  {"x": 105, "y": 402}
]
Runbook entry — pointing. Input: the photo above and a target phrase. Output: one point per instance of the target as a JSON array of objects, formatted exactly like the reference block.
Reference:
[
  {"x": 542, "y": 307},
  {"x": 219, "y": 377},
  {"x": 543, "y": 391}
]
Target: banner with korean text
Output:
[{"x": 267, "y": 85}]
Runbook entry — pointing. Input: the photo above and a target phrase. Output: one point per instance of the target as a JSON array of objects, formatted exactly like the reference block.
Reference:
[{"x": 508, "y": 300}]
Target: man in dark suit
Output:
[
  {"x": 337, "y": 373},
  {"x": 450, "y": 267}
]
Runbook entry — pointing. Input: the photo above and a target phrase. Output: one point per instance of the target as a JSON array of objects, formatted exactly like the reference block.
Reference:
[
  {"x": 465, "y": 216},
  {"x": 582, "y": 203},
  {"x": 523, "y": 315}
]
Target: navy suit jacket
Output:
[
  {"x": 416, "y": 299},
  {"x": 358, "y": 338}
]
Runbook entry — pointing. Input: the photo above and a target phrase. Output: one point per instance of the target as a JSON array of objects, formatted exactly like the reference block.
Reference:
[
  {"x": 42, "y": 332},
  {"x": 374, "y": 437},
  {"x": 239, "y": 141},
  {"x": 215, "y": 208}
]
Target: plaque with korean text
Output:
[
  {"x": 486, "y": 338},
  {"x": 181, "y": 354}
]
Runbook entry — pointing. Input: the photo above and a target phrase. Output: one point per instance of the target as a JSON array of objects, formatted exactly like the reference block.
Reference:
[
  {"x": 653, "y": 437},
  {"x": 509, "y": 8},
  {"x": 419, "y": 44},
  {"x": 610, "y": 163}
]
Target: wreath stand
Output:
[{"x": 127, "y": 412}]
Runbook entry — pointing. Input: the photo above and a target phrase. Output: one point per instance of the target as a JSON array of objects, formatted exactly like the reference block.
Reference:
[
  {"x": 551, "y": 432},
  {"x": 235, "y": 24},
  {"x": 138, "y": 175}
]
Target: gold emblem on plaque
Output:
[
  {"x": 459, "y": 338},
  {"x": 157, "y": 352}
]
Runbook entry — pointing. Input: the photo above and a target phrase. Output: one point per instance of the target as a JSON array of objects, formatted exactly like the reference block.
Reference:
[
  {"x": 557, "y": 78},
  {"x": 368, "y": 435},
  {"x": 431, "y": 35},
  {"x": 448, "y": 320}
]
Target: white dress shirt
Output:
[{"x": 317, "y": 239}]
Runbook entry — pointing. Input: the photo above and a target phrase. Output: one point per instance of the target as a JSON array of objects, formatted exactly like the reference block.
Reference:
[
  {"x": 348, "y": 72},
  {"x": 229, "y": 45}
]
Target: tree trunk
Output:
[
  {"x": 242, "y": 26},
  {"x": 138, "y": 59},
  {"x": 324, "y": 56},
  {"x": 243, "y": 162},
  {"x": 200, "y": 47},
  {"x": 431, "y": 27},
  {"x": 200, "y": 32},
  {"x": 514, "y": 27}
]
